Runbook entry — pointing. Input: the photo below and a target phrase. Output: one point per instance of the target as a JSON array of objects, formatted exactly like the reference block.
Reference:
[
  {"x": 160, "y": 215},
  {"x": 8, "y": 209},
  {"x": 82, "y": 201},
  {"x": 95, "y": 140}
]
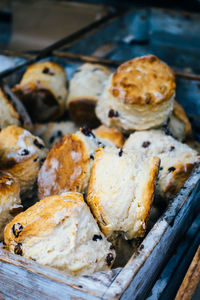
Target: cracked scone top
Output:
[
  {"x": 121, "y": 191},
  {"x": 138, "y": 96},
  {"x": 60, "y": 232}
]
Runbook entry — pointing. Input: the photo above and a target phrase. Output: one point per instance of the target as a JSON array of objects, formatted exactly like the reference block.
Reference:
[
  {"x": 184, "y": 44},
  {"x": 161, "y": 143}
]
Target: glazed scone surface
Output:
[
  {"x": 138, "y": 96},
  {"x": 8, "y": 114},
  {"x": 60, "y": 232},
  {"x": 10, "y": 203},
  {"x": 121, "y": 191},
  {"x": 177, "y": 159},
  {"x": 107, "y": 134}
]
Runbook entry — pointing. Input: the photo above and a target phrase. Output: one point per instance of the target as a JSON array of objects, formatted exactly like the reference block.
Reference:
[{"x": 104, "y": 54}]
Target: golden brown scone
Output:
[
  {"x": 86, "y": 87},
  {"x": 60, "y": 232},
  {"x": 52, "y": 132},
  {"x": 10, "y": 203},
  {"x": 177, "y": 159},
  {"x": 121, "y": 191},
  {"x": 110, "y": 134},
  {"x": 43, "y": 91},
  {"x": 21, "y": 155},
  {"x": 8, "y": 114},
  {"x": 138, "y": 96},
  {"x": 68, "y": 164},
  {"x": 179, "y": 124}
]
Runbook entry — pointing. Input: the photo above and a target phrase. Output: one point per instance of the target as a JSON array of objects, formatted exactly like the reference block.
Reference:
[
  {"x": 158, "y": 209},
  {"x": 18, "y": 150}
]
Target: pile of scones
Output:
[{"x": 73, "y": 192}]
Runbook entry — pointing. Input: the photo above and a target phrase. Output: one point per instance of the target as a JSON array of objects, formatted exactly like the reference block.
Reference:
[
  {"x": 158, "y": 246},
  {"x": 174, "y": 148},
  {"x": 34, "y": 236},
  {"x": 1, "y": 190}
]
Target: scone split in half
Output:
[
  {"x": 121, "y": 191},
  {"x": 60, "y": 231}
]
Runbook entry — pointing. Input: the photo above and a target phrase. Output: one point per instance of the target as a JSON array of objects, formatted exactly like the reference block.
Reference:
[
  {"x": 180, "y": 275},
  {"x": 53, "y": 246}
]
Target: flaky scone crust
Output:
[
  {"x": 180, "y": 114},
  {"x": 143, "y": 80}
]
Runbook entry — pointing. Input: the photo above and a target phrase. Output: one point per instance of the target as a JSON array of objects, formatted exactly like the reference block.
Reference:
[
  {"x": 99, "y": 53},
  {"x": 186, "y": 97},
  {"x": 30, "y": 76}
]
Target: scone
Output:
[
  {"x": 60, "y": 232},
  {"x": 10, "y": 203},
  {"x": 177, "y": 159},
  {"x": 43, "y": 91},
  {"x": 21, "y": 154},
  {"x": 121, "y": 191},
  {"x": 52, "y": 132},
  {"x": 112, "y": 135},
  {"x": 68, "y": 164},
  {"x": 8, "y": 114},
  {"x": 138, "y": 96},
  {"x": 179, "y": 124},
  {"x": 86, "y": 87}
]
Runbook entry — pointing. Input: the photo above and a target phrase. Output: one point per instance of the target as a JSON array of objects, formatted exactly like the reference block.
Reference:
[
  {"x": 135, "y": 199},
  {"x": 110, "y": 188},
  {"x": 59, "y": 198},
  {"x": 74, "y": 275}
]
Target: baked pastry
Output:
[
  {"x": 68, "y": 164},
  {"x": 179, "y": 124},
  {"x": 60, "y": 232},
  {"x": 86, "y": 87},
  {"x": 21, "y": 154},
  {"x": 177, "y": 159},
  {"x": 43, "y": 91},
  {"x": 8, "y": 114},
  {"x": 10, "y": 203},
  {"x": 121, "y": 191},
  {"x": 138, "y": 96},
  {"x": 54, "y": 131},
  {"x": 112, "y": 135}
]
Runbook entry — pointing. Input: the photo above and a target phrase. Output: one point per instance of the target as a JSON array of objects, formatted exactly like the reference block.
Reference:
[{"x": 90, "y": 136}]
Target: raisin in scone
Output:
[
  {"x": 177, "y": 159},
  {"x": 52, "y": 132},
  {"x": 10, "y": 203},
  {"x": 8, "y": 114},
  {"x": 112, "y": 135},
  {"x": 85, "y": 89},
  {"x": 60, "y": 232},
  {"x": 68, "y": 164},
  {"x": 138, "y": 96},
  {"x": 21, "y": 154},
  {"x": 121, "y": 191},
  {"x": 43, "y": 91},
  {"x": 179, "y": 124}
]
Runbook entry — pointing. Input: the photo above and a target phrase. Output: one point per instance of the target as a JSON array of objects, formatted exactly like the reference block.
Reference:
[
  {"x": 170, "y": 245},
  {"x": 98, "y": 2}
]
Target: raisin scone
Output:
[
  {"x": 85, "y": 89},
  {"x": 52, "y": 132},
  {"x": 60, "y": 232},
  {"x": 21, "y": 154},
  {"x": 121, "y": 191},
  {"x": 177, "y": 159},
  {"x": 112, "y": 135},
  {"x": 179, "y": 124},
  {"x": 68, "y": 164},
  {"x": 139, "y": 95},
  {"x": 43, "y": 91},
  {"x": 8, "y": 114},
  {"x": 10, "y": 202}
]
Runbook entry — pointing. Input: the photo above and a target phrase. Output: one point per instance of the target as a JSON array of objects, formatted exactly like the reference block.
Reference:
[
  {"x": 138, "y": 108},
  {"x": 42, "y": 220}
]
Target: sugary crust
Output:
[
  {"x": 180, "y": 114},
  {"x": 41, "y": 215},
  {"x": 112, "y": 134},
  {"x": 65, "y": 168},
  {"x": 9, "y": 115},
  {"x": 21, "y": 155},
  {"x": 143, "y": 80},
  {"x": 43, "y": 86},
  {"x": 7, "y": 185}
]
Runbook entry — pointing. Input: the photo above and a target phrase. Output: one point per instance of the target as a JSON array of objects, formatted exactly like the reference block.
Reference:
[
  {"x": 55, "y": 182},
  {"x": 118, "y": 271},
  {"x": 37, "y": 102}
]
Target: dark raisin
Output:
[
  {"x": 161, "y": 168},
  {"x": 112, "y": 247},
  {"x": 18, "y": 249},
  {"x": 141, "y": 247},
  {"x": 47, "y": 71},
  {"x": 87, "y": 131},
  {"x": 172, "y": 169},
  {"x": 146, "y": 144},
  {"x": 59, "y": 133},
  {"x": 91, "y": 156},
  {"x": 120, "y": 152},
  {"x": 24, "y": 152},
  {"x": 16, "y": 229},
  {"x": 113, "y": 114},
  {"x": 36, "y": 159},
  {"x": 97, "y": 237},
  {"x": 42, "y": 160},
  {"x": 171, "y": 148},
  {"x": 51, "y": 140},
  {"x": 109, "y": 259},
  {"x": 37, "y": 144}
]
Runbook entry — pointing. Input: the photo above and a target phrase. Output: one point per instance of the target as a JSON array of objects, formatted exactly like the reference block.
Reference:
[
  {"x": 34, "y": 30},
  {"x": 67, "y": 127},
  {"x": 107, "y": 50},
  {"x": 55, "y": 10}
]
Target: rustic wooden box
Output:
[{"x": 22, "y": 278}]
